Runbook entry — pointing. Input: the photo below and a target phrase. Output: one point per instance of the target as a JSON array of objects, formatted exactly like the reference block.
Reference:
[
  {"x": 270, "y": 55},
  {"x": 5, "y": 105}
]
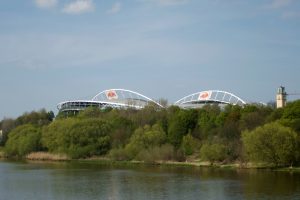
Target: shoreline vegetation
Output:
[
  {"x": 51, "y": 157},
  {"x": 253, "y": 136}
]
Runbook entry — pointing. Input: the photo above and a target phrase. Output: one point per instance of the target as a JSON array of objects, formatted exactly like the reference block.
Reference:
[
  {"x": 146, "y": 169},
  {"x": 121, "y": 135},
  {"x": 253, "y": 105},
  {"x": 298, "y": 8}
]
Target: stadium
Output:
[
  {"x": 112, "y": 98},
  {"x": 199, "y": 99},
  {"x": 122, "y": 98}
]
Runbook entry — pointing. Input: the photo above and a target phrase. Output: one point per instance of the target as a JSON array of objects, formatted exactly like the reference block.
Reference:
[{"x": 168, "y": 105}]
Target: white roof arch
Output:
[
  {"x": 124, "y": 96},
  {"x": 209, "y": 96}
]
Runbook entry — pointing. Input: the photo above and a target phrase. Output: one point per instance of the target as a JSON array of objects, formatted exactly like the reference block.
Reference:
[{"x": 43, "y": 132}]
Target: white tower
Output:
[{"x": 281, "y": 97}]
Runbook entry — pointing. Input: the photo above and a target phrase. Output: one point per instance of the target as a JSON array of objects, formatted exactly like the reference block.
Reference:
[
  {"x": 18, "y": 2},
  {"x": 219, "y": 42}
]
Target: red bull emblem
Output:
[
  {"x": 111, "y": 94},
  {"x": 204, "y": 95}
]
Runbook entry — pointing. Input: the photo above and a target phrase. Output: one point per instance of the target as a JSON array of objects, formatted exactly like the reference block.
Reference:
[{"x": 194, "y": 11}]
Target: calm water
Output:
[{"x": 85, "y": 180}]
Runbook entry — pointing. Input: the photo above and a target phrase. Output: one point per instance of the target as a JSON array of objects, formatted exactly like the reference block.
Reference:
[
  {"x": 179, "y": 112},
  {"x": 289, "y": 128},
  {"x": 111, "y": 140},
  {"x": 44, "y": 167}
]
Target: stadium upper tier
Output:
[
  {"x": 121, "y": 98},
  {"x": 198, "y": 99},
  {"x": 114, "y": 98}
]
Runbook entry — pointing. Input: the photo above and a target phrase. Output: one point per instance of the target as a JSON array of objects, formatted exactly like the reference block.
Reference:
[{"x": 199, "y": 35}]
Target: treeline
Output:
[{"x": 232, "y": 134}]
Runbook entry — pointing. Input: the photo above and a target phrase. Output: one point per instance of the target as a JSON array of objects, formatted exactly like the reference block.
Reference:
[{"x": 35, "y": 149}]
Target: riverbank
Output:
[
  {"x": 45, "y": 156},
  {"x": 199, "y": 164}
]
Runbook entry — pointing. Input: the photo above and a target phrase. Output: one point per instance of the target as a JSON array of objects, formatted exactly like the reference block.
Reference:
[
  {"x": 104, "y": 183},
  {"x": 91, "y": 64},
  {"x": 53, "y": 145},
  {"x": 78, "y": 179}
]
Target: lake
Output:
[{"x": 100, "y": 180}]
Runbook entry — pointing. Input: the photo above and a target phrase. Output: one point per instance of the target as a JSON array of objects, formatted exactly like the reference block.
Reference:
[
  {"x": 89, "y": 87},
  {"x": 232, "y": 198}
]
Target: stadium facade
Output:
[
  {"x": 122, "y": 98},
  {"x": 112, "y": 98},
  {"x": 199, "y": 99}
]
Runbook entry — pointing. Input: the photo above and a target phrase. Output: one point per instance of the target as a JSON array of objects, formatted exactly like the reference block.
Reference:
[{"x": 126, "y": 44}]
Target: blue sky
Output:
[{"x": 57, "y": 50}]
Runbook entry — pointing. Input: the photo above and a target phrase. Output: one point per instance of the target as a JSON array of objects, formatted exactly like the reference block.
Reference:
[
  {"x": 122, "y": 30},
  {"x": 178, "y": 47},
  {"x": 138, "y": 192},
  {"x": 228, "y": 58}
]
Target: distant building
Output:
[
  {"x": 197, "y": 100},
  {"x": 113, "y": 98},
  {"x": 281, "y": 97}
]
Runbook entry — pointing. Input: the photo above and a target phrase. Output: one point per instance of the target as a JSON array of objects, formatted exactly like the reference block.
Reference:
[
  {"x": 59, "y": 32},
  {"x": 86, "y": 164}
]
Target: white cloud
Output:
[
  {"x": 280, "y": 3},
  {"x": 45, "y": 3},
  {"x": 79, "y": 7},
  {"x": 116, "y": 7},
  {"x": 167, "y": 2}
]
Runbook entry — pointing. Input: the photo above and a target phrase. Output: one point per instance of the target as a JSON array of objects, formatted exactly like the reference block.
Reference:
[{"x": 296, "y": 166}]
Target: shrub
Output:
[
  {"x": 213, "y": 152},
  {"x": 118, "y": 154},
  {"x": 189, "y": 144},
  {"x": 272, "y": 143},
  {"x": 78, "y": 138},
  {"x": 23, "y": 140}
]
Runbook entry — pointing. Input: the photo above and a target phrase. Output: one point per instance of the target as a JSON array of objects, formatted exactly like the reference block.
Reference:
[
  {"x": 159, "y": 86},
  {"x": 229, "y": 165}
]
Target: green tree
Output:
[
  {"x": 292, "y": 110},
  {"x": 189, "y": 144},
  {"x": 272, "y": 143},
  {"x": 213, "y": 152},
  {"x": 78, "y": 138},
  {"x": 56, "y": 136},
  {"x": 122, "y": 129},
  {"x": 39, "y": 118},
  {"x": 89, "y": 137},
  {"x": 91, "y": 112},
  {"x": 208, "y": 120},
  {"x": 6, "y": 126},
  {"x": 145, "y": 138},
  {"x": 291, "y": 115},
  {"x": 180, "y": 124},
  {"x": 250, "y": 121},
  {"x": 23, "y": 140},
  {"x": 275, "y": 115}
]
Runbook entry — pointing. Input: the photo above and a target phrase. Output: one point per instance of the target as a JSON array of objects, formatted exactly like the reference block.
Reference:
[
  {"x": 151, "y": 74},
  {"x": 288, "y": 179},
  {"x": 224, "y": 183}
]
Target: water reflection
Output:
[{"x": 86, "y": 180}]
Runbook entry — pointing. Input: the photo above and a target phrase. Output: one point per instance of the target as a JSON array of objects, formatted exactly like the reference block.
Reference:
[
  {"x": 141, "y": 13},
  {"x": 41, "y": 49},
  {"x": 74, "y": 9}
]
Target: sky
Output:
[{"x": 57, "y": 50}]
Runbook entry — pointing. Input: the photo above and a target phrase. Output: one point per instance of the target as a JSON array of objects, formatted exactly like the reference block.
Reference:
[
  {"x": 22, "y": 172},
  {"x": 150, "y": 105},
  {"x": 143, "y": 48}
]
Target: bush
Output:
[
  {"x": 213, "y": 152},
  {"x": 154, "y": 154},
  {"x": 23, "y": 140},
  {"x": 118, "y": 154},
  {"x": 272, "y": 143},
  {"x": 189, "y": 144},
  {"x": 78, "y": 138},
  {"x": 145, "y": 138}
]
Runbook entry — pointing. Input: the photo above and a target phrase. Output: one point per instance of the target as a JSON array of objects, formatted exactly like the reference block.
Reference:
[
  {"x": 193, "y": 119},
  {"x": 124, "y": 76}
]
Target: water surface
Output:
[{"x": 98, "y": 180}]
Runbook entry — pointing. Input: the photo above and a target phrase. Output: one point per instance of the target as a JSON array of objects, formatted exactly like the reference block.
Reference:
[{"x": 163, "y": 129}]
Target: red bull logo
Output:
[
  {"x": 204, "y": 95},
  {"x": 111, "y": 94}
]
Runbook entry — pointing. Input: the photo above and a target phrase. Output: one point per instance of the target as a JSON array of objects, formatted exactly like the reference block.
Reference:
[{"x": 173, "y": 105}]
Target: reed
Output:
[{"x": 47, "y": 156}]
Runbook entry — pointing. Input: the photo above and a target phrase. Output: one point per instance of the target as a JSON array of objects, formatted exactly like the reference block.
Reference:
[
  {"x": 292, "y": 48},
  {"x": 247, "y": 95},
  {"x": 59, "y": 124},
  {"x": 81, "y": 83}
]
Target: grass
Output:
[
  {"x": 47, "y": 156},
  {"x": 289, "y": 169}
]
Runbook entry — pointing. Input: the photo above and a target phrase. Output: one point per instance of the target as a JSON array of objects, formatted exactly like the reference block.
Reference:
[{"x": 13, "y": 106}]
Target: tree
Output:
[
  {"x": 51, "y": 116},
  {"x": 292, "y": 110},
  {"x": 163, "y": 102},
  {"x": 189, "y": 144},
  {"x": 23, "y": 140},
  {"x": 213, "y": 152},
  {"x": 145, "y": 138},
  {"x": 90, "y": 112},
  {"x": 122, "y": 129},
  {"x": 291, "y": 115},
  {"x": 208, "y": 120},
  {"x": 271, "y": 143},
  {"x": 275, "y": 115},
  {"x": 180, "y": 124},
  {"x": 39, "y": 118},
  {"x": 78, "y": 138},
  {"x": 6, "y": 126},
  {"x": 251, "y": 120}
]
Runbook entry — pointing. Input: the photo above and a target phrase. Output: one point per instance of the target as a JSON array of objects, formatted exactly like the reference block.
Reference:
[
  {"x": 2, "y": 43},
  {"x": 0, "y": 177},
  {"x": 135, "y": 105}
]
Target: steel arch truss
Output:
[
  {"x": 124, "y": 97},
  {"x": 208, "y": 97},
  {"x": 113, "y": 98}
]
